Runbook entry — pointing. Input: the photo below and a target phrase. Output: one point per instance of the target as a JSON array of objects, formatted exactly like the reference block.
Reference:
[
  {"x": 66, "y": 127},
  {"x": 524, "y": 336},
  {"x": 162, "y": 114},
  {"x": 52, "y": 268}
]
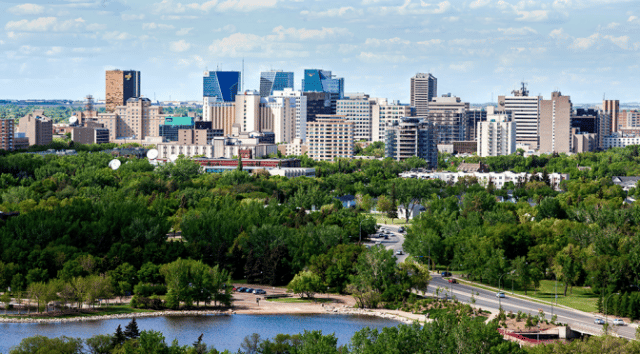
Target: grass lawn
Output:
[
  {"x": 290, "y": 300},
  {"x": 382, "y": 219},
  {"x": 98, "y": 311}
]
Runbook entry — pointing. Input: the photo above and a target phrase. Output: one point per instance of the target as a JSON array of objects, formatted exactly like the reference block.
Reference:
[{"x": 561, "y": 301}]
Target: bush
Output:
[
  {"x": 147, "y": 289},
  {"x": 142, "y": 302}
]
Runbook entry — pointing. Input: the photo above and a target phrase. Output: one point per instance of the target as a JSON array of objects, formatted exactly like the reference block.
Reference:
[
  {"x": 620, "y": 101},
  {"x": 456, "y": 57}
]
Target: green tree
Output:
[
  {"x": 306, "y": 284},
  {"x": 131, "y": 331}
]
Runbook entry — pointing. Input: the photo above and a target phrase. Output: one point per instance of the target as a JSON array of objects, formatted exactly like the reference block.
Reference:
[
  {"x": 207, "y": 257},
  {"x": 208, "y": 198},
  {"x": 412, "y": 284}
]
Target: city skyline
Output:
[{"x": 477, "y": 50}]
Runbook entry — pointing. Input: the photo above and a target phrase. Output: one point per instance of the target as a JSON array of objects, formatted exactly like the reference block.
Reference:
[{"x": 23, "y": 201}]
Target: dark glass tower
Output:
[
  {"x": 274, "y": 81},
  {"x": 221, "y": 84},
  {"x": 316, "y": 80}
]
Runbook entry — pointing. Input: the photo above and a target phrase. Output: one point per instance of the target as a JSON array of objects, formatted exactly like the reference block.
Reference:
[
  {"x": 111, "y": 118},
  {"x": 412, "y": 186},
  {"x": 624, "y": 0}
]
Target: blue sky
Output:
[{"x": 60, "y": 49}]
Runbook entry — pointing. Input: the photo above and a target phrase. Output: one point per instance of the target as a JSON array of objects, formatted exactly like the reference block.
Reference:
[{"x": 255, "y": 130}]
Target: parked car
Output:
[
  {"x": 386, "y": 237},
  {"x": 598, "y": 321},
  {"x": 452, "y": 281},
  {"x": 241, "y": 289},
  {"x": 401, "y": 229},
  {"x": 399, "y": 252},
  {"x": 501, "y": 295},
  {"x": 248, "y": 290},
  {"x": 259, "y": 292},
  {"x": 446, "y": 274},
  {"x": 618, "y": 322}
]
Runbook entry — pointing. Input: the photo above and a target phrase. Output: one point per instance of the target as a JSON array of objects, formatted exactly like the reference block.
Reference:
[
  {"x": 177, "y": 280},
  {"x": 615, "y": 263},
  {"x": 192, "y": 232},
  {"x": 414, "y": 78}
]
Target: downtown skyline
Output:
[{"x": 477, "y": 49}]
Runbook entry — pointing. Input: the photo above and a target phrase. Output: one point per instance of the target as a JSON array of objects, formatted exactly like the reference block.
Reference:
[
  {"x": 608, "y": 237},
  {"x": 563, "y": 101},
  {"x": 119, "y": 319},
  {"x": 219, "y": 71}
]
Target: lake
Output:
[{"x": 222, "y": 332}]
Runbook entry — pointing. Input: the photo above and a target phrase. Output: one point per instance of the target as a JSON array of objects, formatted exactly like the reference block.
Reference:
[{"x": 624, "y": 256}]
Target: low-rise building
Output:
[
  {"x": 498, "y": 179},
  {"x": 620, "y": 140},
  {"x": 37, "y": 127},
  {"x": 330, "y": 137}
]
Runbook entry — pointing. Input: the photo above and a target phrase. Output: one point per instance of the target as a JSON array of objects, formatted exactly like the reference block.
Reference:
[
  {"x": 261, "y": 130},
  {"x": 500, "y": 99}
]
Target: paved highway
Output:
[{"x": 487, "y": 300}]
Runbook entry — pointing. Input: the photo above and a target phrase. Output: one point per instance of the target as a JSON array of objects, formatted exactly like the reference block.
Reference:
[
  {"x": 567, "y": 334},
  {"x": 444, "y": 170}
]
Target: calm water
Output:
[{"x": 222, "y": 332}]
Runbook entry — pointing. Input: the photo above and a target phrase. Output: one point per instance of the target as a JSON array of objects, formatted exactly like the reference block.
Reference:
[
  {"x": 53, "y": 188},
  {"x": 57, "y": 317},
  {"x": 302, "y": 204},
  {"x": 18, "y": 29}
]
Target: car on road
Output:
[
  {"x": 501, "y": 295},
  {"x": 598, "y": 321},
  {"x": 259, "y": 292},
  {"x": 401, "y": 229},
  {"x": 386, "y": 237},
  {"x": 446, "y": 274},
  {"x": 453, "y": 281},
  {"x": 399, "y": 252},
  {"x": 618, "y": 322}
]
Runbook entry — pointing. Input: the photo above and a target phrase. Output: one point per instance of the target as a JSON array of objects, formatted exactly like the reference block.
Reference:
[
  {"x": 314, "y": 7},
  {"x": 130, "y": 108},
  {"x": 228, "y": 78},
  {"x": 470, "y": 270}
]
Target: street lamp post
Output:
[
  {"x": 606, "y": 320},
  {"x": 499, "y": 297}
]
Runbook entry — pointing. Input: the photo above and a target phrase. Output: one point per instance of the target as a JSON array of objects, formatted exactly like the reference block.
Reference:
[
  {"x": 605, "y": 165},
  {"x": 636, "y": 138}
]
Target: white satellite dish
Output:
[
  {"x": 73, "y": 120},
  {"x": 173, "y": 158},
  {"x": 152, "y": 154},
  {"x": 114, "y": 164}
]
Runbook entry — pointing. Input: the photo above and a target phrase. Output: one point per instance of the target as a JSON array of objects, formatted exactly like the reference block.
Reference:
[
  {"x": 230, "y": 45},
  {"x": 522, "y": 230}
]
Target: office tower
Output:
[
  {"x": 318, "y": 103},
  {"x": 120, "y": 87},
  {"x": 383, "y": 113},
  {"x": 411, "y": 137},
  {"x": 611, "y": 109},
  {"x": 278, "y": 115},
  {"x": 357, "y": 108},
  {"x": 221, "y": 115},
  {"x": 424, "y": 87},
  {"x": 586, "y": 120},
  {"x": 316, "y": 80},
  {"x": 37, "y": 127},
  {"x": 6, "y": 134},
  {"x": 474, "y": 116},
  {"x": 496, "y": 136},
  {"x": 170, "y": 130},
  {"x": 137, "y": 120},
  {"x": 301, "y": 111},
  {"x": 525, "y": 112},
  {"x": 555, "y": 124},
  {"x": 223, "y": 85},
  {"x": 329, "y": 137},
  {"x": 271, "y": 81},
  {"x": 449, "y": 114},
  {"x": 248, "y": 111}
]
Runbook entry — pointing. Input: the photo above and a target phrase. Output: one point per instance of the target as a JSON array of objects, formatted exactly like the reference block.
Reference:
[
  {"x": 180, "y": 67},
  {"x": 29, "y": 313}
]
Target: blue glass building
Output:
[
  {"x": 316, "y": 80},
  {"x": 274, "y": 81},
  {"x": 221, "y": 84}
]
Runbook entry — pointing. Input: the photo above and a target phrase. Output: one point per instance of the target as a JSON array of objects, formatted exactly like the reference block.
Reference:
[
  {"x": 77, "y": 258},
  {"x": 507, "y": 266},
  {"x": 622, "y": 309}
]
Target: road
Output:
[{"x": 487, "y": 300}]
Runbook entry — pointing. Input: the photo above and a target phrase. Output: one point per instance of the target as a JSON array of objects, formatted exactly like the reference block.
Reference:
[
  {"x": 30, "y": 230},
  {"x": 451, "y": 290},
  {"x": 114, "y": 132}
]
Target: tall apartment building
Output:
[
  {"x": 221, "y": 114},
  {"x": 137, "y": 120},
  {"x": 317, "y": 80},
  {"x": 357, "y": 108},
  {"x": 555, "y": 124},
  {"x": 329, "y": 137},
  {"x": 37, "y": 127},
  {"x": 223, "y": 85},
  {"x": 474, "y": 116},
  {"x": 278, "y": 115},
  {"x": 271, "y": 81},
  {"x": 525, "y": 112},
  {"x": 611, "y": 109},
  {"x": 449, "y": 114},
  {"x": 248, "y": 111},
  {"x": 629, "y": 119},
  {"x": 6, "y": 134},
  {"x": 301, "y": 110},
  {"x": 424, "y": 87},
  {"x": 496, "y": 136},
  {"x": 120, "y": 87},
  {"x": 411, "y": 137},
  {"x": 384, "y": 112}
]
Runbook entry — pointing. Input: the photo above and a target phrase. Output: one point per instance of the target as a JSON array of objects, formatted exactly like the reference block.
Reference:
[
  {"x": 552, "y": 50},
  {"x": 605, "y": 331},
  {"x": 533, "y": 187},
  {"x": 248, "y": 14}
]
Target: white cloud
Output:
[
  {"x": 171, "y": 7},
  {"x": 245, "y": 5},
  {"x": 179, "y": 46},
  {"x": 127, "y": 17},
  {"x": 462, "y": 67},
  {"x": 153, "y": 26},
  {"x": 523, "y": 31},
  {"x": 227, "y": 28},
  {"x": 411, "y": 8},
  {"x": 304, "y": 34},
  {"x": 184, "y": 31},
  {"x": 430, "y": 42},
  {"x": 247, "y": 44},
  {"x": 45, "y": 24},
  {"x": 466, "y": 42},
  {"x": 597, "y": 40},
  {"x": 479, "y": 3},
  {"x": 533, "y": 15},
  {"x": 559, "y": 34},
  {"x": 54, "y": 51},
  {"x": 336, "y": 12},
  {"x": 116, "y": 36},
  {"x": 382, "y": 58},
  {"x": 374, "y": 42},
  {"x": 26, "y": 9}
]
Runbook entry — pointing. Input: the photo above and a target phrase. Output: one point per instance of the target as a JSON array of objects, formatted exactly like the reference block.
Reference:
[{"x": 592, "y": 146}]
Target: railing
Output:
[{"x": 525, "y": 339}]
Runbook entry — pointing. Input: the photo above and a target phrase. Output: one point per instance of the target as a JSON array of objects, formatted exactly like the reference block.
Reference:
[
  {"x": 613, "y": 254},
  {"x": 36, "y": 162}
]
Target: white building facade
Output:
[{"x": 496, "y": 136}]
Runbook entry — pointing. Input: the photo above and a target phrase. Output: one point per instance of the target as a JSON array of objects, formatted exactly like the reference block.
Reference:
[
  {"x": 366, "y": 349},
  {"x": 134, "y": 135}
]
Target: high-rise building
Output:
[
  {"x": 611, "y": 109},
  {"x": 555, "y": 124},
  {"x": 424, "y": 87},
  {"x": 222, "y": 115},
  {"x": 278, "y": 115},
  {"x": 330, "y": 137},
  {"x": 223, "y": 85},
  {"x": 37, "y": 127},
  {"x": 6, "y": 134},
  {"x": 411, "y": 137},
  {"x": 474, "y": 116},
  {"x": 357, "y": 108},
  {"x": 120, "y": 87},
  {"x": 248, "y": 111},
  {"x": 384, "y": 112},
  {"x": 586, "y": 120},
  {"x": 318, "y": 103},
  {"x": 271, "y": 81},
  {"x": 137, "y": 120},
  {"x": 496, "y": 136},
  {"x": 301, "y": 111},
  {"x": 449, "y": 114},
  {"x": 525, "y": 112},
  {"x": 317, "y": 80}
]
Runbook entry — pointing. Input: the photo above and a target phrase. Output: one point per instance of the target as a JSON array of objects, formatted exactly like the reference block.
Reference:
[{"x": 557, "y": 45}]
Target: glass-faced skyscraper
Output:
[
  {"x": 316, "y": 80},
  {"x": 275, "y": 81},
  {"x": 223, "y": 85}
]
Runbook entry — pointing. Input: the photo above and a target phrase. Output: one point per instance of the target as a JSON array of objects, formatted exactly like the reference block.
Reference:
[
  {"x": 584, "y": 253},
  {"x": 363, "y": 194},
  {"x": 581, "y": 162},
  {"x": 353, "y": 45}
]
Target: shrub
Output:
[{"x": 142, "y": 302}]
